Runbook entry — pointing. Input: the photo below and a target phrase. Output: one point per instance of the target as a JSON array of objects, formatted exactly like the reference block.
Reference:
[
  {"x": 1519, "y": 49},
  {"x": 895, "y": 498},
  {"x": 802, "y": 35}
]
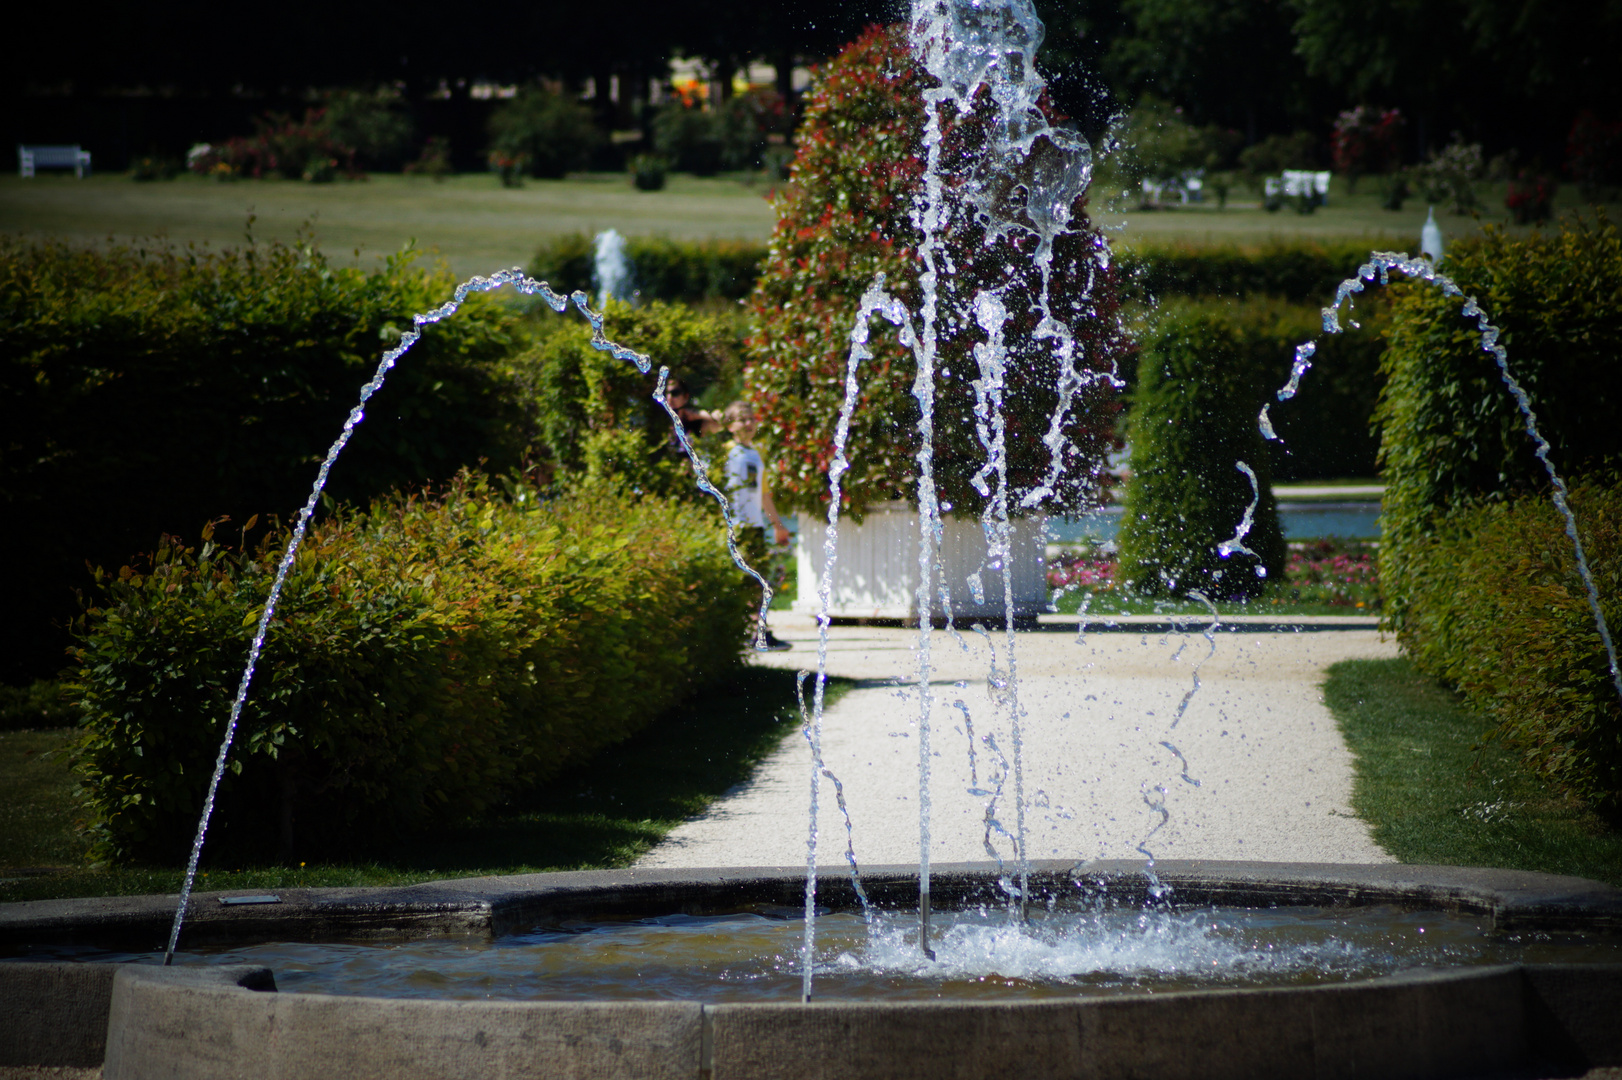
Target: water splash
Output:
[
  {"x": 477, "y": 284},
  {"x": 1379, "y": 267}
]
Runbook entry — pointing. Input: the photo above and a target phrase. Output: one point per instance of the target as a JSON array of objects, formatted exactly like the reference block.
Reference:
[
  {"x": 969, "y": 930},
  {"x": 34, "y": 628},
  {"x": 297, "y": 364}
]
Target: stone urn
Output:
[{"x": 877, "y": 572}]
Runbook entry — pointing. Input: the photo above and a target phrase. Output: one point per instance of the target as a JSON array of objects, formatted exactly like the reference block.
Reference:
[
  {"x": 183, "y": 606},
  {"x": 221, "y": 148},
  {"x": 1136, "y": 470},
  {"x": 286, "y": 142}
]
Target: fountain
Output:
[{"x": 205, "y": 1020}]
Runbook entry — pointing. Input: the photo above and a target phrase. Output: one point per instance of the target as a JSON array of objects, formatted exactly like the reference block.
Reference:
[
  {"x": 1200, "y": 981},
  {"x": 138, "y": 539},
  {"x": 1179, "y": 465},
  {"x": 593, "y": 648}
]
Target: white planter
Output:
[{"x": 877, "y": 572}]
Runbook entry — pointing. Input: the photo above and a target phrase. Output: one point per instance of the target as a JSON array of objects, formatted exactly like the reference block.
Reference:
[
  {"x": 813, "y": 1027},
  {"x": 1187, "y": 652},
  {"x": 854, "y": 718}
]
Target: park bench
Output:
[
  {"x": 1303, "y": 182},
  {"x": 30, "y": 158}
]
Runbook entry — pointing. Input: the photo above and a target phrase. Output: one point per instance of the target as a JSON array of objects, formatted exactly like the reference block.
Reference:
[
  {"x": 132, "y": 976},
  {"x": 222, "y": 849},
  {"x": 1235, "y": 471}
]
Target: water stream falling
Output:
[
  {"x": 477, "y": 284},
  {"x": 1379, "y": 267}
]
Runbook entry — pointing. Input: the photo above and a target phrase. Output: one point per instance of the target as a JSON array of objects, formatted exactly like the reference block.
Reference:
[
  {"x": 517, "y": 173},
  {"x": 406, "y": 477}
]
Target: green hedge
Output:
[
  {"x": 1450, "y": 432},
  {"x": 1496, "y": 608},
  {"x": 1193, "y": 418},
  {"x": 662, "y": 269},
  {"x": 595, "y": 416},
  {"x": 429, "y": 657},
  {"x": 1305, "y": 271},
  {"x": 149, "y": 390}
]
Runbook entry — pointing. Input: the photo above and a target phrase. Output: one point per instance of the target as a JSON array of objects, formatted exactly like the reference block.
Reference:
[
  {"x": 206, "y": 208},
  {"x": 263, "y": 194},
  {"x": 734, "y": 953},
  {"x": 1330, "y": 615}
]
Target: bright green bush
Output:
[
  {"x": 1450, "y": 432},
  {"x": 662, "y": 269},
  {"x": 429, "y": 658},
  {"x": 596, "y": 417},
  {"x": 1193, "y": 417},
  {"x": 1496, "y": 608},
  {"x": 147, "y": 390}
]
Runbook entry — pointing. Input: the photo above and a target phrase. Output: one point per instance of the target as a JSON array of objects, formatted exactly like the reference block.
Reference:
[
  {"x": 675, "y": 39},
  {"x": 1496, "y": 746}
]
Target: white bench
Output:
[
  {"x": 30, "y": 158},
  {"x": 1299, "y": 182}
]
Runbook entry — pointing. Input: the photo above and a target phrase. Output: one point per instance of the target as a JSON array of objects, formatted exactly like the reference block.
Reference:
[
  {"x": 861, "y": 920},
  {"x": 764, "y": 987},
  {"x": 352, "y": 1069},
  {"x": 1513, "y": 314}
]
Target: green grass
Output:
[
  {"x": 605, "y": 815},
  {"x": 1360, "y": 215},
  {"x": 477, "y": 226},
  {"x": 1435, "y": 788},
  {"x": 470, "y": 221}
]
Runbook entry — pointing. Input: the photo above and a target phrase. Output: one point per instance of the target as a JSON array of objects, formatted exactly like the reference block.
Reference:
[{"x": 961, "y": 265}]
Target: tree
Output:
[{"x": 1188, "y": 52}]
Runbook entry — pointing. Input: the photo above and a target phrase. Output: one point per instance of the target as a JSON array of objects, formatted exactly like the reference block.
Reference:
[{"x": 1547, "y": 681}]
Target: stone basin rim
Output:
[{"x": 1509, "y": 900}]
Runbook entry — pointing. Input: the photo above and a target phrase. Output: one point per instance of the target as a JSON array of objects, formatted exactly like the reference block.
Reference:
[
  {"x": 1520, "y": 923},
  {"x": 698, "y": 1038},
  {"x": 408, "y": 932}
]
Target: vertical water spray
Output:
[
  {"x": 875, "y": 301},
  {"x": 1022, "y": 183}
]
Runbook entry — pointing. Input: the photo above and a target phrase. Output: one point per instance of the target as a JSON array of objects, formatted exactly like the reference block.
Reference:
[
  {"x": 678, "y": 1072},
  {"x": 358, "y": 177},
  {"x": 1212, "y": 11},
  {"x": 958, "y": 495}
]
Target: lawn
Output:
[
  {"x": 471, "y": 221},
  {"x": 602, "y": 816},
  {"x": 1435, "y": 787},
  {"x": 478, "y": 226}
]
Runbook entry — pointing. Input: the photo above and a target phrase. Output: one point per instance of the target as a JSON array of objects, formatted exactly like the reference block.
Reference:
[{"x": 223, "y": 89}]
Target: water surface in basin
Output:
[{"x": 754, "y": 956}]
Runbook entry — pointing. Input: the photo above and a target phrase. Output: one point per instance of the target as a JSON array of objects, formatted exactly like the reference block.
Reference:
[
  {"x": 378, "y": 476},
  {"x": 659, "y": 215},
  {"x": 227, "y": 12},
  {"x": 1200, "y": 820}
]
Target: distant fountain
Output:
[{"x": 611, "y": 267}]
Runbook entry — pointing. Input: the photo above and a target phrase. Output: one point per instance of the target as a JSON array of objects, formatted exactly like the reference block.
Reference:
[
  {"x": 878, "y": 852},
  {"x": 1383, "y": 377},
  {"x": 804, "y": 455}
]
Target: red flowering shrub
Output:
[
  {"x": 281, "y": 146},
  {"x": 846, "y": 216},
  {"x": 1365, "y": 141},
  {"x": 1531, "y": 198}
]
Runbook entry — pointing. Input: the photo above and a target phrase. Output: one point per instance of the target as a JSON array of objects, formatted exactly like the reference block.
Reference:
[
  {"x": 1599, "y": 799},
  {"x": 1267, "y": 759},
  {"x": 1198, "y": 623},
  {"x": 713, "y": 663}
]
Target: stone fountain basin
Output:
[{"x": 195, "y": 1021}]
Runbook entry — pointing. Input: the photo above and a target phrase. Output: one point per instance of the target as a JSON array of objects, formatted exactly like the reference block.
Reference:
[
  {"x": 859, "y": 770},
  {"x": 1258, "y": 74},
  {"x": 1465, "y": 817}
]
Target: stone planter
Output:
[{"x": 877, "y": 571}]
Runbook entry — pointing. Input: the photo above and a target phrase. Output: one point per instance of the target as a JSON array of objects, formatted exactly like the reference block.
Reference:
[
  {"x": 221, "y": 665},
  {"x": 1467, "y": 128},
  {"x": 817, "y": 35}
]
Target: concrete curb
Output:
[
  {"x": 1511, "y": 900},
  {"x": 216, "y": 1021},
  {"x": 1194, "y": 624}
]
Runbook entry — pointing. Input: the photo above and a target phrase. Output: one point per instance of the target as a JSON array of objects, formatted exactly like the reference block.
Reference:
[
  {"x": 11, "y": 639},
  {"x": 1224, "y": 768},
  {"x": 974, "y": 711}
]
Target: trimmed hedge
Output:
[
  {"x": 662, "y": 269},
  {"x": 429, "y": 658},
  {"x": 146, "y": 390},
  {"x": 1193, "y": 418},
  {"x": 1496, "y": 608},
  {"x": 1305, "y": 271},
  {"x": 595, "y": 415},
  {"x": 1450, "y": 431}
]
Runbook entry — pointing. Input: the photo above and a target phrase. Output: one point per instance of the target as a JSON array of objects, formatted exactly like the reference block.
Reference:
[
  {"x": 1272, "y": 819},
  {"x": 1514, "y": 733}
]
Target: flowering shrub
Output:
[
  {"x": 1450, "y": 175},
  {"x": 846, "y": 216},
  {"x": 1333, "y": 572},
  {"x": 279, "y": 146},
  {"x": 1076, "y": 569},
  {"x": 1531, "y": 198},
  {"x": 1364, "y": 141}
]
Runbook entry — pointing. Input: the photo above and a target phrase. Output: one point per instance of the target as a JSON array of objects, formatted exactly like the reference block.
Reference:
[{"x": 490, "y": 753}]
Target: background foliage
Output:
[
  {"x": 145, "y": 390},
  {"x": 689, "y": 271},
  {"x": 595, "y": 416},
  {"x": 430, "y": 657}
]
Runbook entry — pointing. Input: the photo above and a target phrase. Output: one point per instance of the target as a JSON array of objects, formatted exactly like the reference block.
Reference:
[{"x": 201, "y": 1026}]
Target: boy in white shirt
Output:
[{"x": 751, "y": 499}]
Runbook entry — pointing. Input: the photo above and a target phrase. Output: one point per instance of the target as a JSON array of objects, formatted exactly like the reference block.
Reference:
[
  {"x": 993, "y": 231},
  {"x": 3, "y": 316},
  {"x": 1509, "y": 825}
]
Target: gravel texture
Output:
[{"x": 1100, "y": 717}]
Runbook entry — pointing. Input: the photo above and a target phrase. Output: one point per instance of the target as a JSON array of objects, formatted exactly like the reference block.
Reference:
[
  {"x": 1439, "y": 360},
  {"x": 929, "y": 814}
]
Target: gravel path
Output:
[{"x": 1274, "y": 776}]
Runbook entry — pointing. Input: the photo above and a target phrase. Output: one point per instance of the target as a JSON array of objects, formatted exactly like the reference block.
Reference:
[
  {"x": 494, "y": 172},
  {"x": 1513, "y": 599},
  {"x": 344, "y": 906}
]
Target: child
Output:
[{"x": 751, "y": 498}]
